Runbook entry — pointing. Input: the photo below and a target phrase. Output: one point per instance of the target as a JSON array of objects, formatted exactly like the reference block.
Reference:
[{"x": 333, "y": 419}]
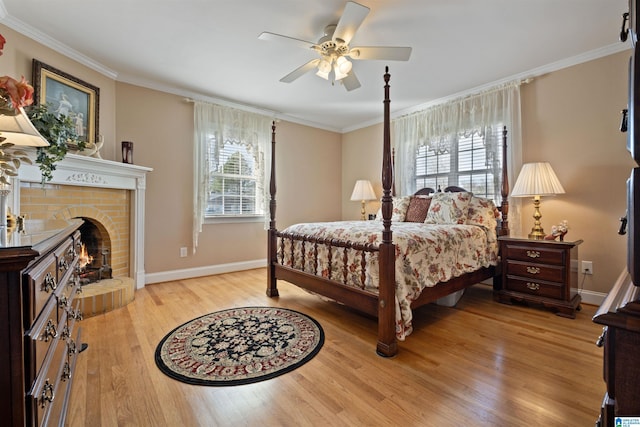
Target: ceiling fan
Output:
[{"x": 334, "y": 50}]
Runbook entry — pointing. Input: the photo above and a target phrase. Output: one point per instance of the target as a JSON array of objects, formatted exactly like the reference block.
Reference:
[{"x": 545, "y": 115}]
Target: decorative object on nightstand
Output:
[
  {"x": 363, "y": 191},
  {"x": 558, "y": 231},
  {"x": 540, "y": 271},
  {"x": 536, "y": 180}
]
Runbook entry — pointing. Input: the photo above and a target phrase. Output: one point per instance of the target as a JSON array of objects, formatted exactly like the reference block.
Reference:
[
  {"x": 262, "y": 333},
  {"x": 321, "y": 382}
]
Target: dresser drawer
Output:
[
  {"x": 550, "y": 273},
  {"x": 535, "y": 287},
  {"x": 46, "y": 398},
  {"x": 531, "y": 253},
  {"x": 44, "y": 334},
  {"x": 40, "y": 284},
  {"x": 65, "y": 256}
]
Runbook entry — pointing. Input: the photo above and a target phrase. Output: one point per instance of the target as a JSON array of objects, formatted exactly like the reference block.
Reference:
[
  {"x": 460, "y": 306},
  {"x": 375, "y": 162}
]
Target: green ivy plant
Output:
[{"x": 59, "y": 132}]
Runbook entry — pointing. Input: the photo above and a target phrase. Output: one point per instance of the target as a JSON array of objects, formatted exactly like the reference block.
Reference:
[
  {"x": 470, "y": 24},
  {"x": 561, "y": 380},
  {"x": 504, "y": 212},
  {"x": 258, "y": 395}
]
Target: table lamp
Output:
[
  {"x": 363, "y": 191},
  {"x": 537, "y": 180}
]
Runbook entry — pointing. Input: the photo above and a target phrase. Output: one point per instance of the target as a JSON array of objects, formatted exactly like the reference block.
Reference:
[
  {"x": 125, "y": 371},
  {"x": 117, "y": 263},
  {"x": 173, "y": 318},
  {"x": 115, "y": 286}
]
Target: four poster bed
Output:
[{"x": 388, "y": 267}]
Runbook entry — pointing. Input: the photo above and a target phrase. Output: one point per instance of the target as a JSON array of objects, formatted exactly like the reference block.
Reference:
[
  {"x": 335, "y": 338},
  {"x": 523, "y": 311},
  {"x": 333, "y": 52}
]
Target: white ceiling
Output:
[{"x": 209, "y": 49}]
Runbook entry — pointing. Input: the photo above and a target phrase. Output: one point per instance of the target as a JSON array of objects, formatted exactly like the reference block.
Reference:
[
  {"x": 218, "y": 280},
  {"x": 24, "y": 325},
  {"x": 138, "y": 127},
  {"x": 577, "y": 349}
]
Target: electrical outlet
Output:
[
  {"x": 183, "y": 252},
  {"x": 586, "y": 267}
]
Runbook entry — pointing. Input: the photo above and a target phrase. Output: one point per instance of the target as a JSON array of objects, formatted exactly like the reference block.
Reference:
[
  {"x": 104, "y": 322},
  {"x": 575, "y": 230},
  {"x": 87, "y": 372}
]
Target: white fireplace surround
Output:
[{"x": 93, "y": 172}]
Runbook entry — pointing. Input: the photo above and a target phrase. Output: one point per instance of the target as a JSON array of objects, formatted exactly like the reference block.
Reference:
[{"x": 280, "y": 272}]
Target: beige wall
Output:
[
  {"x": 17, "y": 59},
  {"x": 570, "y": 118},
  {"x": 161, "y": 128}
]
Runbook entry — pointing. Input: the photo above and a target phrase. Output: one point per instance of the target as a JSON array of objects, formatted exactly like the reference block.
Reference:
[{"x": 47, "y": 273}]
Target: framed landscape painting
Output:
[{"x": 69, "y": 96}]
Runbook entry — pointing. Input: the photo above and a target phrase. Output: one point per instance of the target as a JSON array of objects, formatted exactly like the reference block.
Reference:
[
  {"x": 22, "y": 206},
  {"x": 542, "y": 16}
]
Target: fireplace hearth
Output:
[{"x": 109, "y": 195}]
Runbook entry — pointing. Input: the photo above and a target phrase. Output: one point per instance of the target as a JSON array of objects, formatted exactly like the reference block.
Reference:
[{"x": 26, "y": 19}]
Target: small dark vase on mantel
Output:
[{"x": 127, "y": 152}]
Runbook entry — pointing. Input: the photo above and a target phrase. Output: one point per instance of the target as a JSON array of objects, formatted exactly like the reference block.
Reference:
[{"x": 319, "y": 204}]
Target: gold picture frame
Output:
[{"x": 70, "y": 96}]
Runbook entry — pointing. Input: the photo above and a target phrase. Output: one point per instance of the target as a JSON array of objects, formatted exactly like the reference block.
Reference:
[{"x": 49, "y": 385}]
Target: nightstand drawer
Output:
[
  {"x": 550, "y": 273},
  {"x": 534, "y": 253},
  {"x": 535, "y": 287}
]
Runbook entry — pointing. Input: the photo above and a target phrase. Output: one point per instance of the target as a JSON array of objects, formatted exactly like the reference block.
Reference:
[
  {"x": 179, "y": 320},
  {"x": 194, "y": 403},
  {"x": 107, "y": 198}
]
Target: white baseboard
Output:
[
  {"x": 591, "y": 297},
  {"x": 188, "y": 273}
]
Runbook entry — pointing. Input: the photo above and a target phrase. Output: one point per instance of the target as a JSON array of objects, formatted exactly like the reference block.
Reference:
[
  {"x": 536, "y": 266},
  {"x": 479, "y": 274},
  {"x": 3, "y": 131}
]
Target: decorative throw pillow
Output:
[
  {"x": 400, "y": 205},
  {"x": 449, "y": 208},
  {"x": 418, "y": 208},
  {"x": 483, "y": 212}
]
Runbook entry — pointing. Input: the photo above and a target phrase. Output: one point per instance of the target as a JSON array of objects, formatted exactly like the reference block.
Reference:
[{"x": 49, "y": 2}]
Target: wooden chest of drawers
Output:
[
  {"x": 38, "y": 283},
  {"x": 620, "y": 316},
  {"x": 540, "y": 271}
]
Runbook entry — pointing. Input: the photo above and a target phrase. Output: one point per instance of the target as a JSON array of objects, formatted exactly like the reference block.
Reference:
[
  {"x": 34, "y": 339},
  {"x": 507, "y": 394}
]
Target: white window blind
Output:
[
  {"x": 467, "y": 160},
  {"x": 233, "y": 180}
]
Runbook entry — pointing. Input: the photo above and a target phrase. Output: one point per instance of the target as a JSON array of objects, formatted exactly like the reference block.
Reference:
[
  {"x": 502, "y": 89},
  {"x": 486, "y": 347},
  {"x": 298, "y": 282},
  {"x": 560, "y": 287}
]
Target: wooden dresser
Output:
[
  {"x": 38, "y": 282},
  {"x": 540, "y": 271},
  {"x": 620, "y": 315}
]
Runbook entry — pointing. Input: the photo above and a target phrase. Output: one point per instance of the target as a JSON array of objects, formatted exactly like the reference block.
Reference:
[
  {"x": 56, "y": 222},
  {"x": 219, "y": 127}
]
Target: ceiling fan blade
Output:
[
  {"x": 289, "y": 40},
  {"x": 379, "y": 52},
  {"x": 300, "y": 71},
  {"x": 350, "y": 21},
  {"x": 351, "y": 82}
]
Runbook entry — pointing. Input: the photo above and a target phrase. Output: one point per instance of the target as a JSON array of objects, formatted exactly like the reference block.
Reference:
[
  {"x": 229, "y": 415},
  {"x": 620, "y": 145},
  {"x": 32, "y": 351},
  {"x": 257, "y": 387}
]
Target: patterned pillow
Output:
[
  {"x": 449, "y": 208},
  {"x": 400, "y": 205},
  {"x": 418, "y": 208},
  {"x": 483, "y": 212}
]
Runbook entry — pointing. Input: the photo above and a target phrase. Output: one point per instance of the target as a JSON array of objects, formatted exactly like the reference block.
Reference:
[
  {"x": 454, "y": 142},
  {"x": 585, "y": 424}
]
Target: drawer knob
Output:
[
  {"x": 66, "y": 333},
  {"x": 49, "y": 283},
  {"x": 533, "y": 286},
  {"x": 77, "y": 314},
  {"x": 49, "y": 331},
  {"x": 533, "y": 254},
  {"x": 72, "y": 348},
  {"x": 66, "y": 372},
  {"x": 533, "y": 270},
  {"x": 47, "y": 394},
  {"x": 63, "y": 302},
  {"x": 602, "y": 337}
]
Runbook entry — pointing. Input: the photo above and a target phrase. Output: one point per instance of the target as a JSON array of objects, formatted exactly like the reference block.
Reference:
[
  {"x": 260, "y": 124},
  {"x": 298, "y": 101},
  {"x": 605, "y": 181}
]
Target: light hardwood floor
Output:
[{"x": 479, "y": 364}]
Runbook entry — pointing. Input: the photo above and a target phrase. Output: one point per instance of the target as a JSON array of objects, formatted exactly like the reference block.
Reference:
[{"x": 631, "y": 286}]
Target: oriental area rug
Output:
[{"x": 239, "y": 346}]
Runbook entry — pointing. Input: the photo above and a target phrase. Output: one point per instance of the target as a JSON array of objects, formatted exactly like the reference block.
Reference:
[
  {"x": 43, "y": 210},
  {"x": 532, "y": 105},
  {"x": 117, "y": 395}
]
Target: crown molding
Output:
[
  {"x": 42, "y": 38},
  {"x": 545, "y": 69}
]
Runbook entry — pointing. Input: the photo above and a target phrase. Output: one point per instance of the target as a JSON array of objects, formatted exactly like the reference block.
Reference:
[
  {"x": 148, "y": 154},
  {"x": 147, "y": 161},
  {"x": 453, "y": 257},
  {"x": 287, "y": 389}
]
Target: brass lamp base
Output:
[{"x": 537, "y": 233}]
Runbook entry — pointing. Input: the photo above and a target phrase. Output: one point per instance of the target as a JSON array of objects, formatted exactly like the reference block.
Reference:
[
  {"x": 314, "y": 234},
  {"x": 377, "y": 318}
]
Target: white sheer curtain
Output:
[
  {"x": 473, "y": 113},
  {"x": 227, "y": 124}
]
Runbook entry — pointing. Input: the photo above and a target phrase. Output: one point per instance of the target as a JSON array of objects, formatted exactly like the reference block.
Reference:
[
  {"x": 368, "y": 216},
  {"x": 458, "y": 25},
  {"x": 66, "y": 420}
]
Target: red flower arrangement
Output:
[{"x": 14, "y": 95}]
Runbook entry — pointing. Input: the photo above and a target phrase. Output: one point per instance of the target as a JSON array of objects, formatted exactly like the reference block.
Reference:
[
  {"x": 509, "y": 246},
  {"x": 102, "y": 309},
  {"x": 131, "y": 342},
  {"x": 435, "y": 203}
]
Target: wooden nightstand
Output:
[{"x": 540, "y": 271}]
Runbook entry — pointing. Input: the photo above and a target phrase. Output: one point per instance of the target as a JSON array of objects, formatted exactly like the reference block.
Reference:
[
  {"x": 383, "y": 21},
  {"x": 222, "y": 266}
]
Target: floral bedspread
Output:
[{"x": 425, "y": 255}]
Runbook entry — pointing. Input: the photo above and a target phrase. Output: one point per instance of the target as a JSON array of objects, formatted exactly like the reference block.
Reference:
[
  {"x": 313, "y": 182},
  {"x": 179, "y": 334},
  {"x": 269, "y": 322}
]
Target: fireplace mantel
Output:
[{"x": 77, "y": 170}]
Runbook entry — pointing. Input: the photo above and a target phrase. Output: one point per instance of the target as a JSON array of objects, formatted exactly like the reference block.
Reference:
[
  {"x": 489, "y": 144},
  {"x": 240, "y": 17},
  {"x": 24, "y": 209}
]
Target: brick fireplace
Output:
[{"x": 110, "y": 195}]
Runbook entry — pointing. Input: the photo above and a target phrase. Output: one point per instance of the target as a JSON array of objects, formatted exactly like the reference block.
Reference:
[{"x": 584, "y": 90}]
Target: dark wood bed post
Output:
[
  {"x": 272, "y": 243},
  {"x": 504, "y": 190},
  {"x": 387, "y": 344}
]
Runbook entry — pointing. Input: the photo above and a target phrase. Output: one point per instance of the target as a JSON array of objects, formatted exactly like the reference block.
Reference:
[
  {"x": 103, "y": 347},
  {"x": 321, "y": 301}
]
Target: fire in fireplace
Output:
[{"x": 95, "y": 254}]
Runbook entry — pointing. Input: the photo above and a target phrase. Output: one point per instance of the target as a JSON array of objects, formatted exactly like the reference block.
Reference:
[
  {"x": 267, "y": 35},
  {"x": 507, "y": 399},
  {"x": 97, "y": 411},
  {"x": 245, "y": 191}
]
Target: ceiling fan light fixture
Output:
[{"x": 324, "y": 68}]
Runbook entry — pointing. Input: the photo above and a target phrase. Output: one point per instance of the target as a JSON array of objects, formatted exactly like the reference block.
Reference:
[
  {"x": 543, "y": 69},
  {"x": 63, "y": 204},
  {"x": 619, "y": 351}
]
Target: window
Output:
[
  {"x": 233, "y": 180},
  {"x": 467, "y": 160}
]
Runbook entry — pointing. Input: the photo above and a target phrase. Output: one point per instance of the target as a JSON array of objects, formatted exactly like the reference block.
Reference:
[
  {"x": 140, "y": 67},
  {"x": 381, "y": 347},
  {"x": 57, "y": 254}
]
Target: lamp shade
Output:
[
  {"x": 363, "y": 190},
  {"x": 537, "y": 179},
  {"x": 19, "y": 130}
]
